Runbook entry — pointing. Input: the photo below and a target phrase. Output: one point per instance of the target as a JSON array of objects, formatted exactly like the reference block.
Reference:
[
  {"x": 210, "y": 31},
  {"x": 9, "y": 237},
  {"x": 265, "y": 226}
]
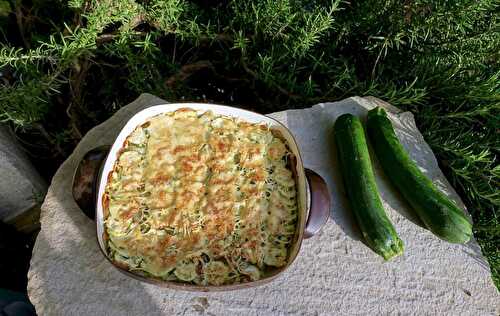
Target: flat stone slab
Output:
[
  {"x": 335, "y": 273},
  {"x": 20, "y": 184}
]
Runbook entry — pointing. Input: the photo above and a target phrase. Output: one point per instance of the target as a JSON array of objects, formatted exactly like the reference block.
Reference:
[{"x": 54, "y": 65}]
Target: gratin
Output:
[{"x": 201, "y": 198}]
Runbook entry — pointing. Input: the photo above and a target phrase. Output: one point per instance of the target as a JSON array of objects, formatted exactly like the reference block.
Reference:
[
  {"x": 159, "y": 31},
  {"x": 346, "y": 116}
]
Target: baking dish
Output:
[{"x": 91, "y": 177}]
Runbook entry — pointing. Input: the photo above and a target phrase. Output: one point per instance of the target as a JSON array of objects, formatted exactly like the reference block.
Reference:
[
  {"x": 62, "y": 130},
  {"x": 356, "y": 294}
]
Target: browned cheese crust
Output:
[{"x": 201, "y": 198}]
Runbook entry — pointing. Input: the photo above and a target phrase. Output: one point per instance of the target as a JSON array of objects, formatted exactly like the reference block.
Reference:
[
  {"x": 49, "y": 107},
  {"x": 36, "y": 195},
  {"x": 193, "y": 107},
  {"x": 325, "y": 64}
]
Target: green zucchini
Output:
[
  {"x": 359, "y": 182},
  {"x": 439, "y": 214}
]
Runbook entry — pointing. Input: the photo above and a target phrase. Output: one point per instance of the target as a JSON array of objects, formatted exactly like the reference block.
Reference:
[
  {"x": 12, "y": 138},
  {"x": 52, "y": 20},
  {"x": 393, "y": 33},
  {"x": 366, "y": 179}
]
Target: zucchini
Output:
[
  {"x": 359, "y": 182},
  {"x": 438, "y": 213}
]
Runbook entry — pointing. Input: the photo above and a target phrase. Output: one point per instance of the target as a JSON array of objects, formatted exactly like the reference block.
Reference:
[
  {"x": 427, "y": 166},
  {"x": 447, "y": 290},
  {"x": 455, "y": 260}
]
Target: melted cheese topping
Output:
[{"x": 201, "y": 198}]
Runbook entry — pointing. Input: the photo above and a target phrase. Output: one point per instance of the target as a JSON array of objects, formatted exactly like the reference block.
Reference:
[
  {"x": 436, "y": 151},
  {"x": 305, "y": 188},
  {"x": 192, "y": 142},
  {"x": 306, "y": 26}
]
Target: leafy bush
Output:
[{"x": 68, "y": 65}]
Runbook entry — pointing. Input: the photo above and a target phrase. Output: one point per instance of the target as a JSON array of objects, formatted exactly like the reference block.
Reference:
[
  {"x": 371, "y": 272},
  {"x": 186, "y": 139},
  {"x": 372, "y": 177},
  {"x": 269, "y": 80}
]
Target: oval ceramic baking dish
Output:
[{"x": 91, "y": 178}]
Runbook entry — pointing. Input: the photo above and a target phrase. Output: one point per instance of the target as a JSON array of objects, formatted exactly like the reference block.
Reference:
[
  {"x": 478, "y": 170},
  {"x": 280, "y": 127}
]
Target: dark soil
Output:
[{"x": 15, "y": 250}]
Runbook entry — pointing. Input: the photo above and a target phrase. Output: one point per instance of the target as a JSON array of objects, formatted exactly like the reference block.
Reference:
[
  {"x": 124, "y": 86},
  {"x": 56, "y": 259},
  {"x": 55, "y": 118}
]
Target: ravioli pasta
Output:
[{"x": 201, "y": 198}]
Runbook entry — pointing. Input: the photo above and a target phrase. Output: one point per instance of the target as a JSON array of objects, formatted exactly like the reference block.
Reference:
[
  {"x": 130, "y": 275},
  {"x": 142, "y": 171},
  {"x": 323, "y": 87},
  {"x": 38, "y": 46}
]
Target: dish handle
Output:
[
  {"x": 319, "y": 209},
  {"x": 85, "y": 180}
]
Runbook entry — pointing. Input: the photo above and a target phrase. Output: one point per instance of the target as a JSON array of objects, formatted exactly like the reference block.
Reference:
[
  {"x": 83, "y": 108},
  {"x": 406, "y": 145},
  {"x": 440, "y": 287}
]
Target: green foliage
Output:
[
  {"x": 25, "y": 103},
  {"x": 67, "y": 66}
]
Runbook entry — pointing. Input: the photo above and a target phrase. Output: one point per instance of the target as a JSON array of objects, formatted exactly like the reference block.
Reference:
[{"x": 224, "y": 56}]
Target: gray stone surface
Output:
[
  {"x": 20, "y": 183},
  {"x": 335, "y": 273}
]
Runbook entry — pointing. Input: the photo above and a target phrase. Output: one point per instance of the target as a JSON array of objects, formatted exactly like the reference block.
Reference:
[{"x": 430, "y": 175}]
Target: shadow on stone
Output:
[{"x": 474, "y": 251}]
